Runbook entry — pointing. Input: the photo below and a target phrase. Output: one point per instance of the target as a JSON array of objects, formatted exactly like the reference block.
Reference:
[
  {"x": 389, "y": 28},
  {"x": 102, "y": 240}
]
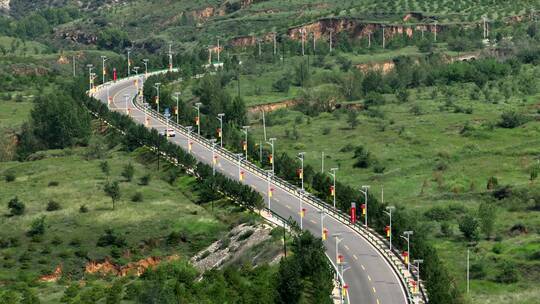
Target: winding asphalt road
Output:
[{"x": 370, "y": 278}]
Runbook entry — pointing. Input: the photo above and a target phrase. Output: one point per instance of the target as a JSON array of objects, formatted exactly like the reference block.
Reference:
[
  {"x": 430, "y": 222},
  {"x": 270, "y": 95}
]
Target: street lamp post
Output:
[
  {"x": 126, "y": 96},
  {"x": 301, "y": 173},
  {"x": 302, "y": 213},
  {"x": 271, "y": 142},
  {"x": 145, "y": 61},
  {"x": 245, "y": 143},
  {"x": 198, "y": 118},
  {"x": 189, "y": 128},
  {"x": 333, "y": 174},
  {"x": 364, "y": 190},
  {"x": 239, "y": 155},
  {"x": 177, "y": 110},
  {"x": 338, "y": 240},
  {"x": 103, "y": 59},
  {"x": 407, "y": 236},
  {"x": 90, "y": 67},
  {"x": 417, "y": 263},
  {"x": 213, "y": 141},
  {"x": 145, "y": 106},
  {"x": 389, "y": 212},
  {"x": 323, "y": 233},
  {"x": 269, "y": 175},
  {"x": 128, "y": 62},
  {"x": 156, "y": 85},
  {"x": 220, "y": 133}
]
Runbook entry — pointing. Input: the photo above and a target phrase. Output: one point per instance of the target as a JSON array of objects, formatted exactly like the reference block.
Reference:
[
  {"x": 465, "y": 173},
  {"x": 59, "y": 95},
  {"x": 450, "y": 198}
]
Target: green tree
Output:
[
  {"x": 352, "y": 119},
  {"x": 114, "y": 294},
  {"x": 112, "y": 189},
  {"x": 16, "y": 207},
  {"x": 487, "y": 214},
  {"x": 289, "y": 286},
  {"x": 105, "y": 168},
  {"x": 128, "y": 172},
  {"x": 468, "y": 225}
]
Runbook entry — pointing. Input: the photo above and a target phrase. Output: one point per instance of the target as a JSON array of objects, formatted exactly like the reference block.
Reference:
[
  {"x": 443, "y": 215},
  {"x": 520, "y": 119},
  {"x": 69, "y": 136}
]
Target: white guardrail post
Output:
[{"x": 393, "y": 258}]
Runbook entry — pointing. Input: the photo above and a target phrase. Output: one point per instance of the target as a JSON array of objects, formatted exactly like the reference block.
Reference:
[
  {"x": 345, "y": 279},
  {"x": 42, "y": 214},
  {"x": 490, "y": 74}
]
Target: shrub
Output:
[
  {"x": 438, "y": 214},
  {"x": 83, "y": 209},
  {"x": 111, "y": 239},
  {"x": 497, "y": 248},
  {"x": 53, "y": 206},
  {"x": 468, "y": 225},
  {"x": 492, "y": 183},
  {"x": 37, "y": 227},
  {"x": 137, "y": 197},
  {"x": 362, "y": 156},
  {"x": 508, "y": 273},
  {"x": 53, "y": 184},
  {"x": 446, "y": 229},
  {"x": 16, "y": 207},
  {"x": 477, "y": 270},
  {"x": 9, "y": 176},
  {"x": 245, "y": 235},
  {"x": 379, "y": 168},
  {"x": 326, "y": 130},
  {"x": 176, "y": 237},
  {"x": 283, "y": 84},
  {"x": 511, "y": 120},
  {"x": 144, "y": 180}
]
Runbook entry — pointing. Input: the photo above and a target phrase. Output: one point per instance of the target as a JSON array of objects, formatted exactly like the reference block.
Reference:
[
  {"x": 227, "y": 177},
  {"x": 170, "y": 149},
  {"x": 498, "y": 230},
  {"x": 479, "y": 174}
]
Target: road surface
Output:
[{"x": 370, "y": 278}]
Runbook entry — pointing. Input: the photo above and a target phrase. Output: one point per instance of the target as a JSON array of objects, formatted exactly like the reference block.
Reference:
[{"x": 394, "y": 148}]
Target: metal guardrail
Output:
[{"x": 393, "y": 258}]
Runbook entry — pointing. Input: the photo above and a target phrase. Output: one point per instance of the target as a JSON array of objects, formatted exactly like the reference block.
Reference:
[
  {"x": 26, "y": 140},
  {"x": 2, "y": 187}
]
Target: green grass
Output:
[
  {"x": 411, "y": 147},
  {"x": 13, "y": 114},
  {"x": 18, "y": 47},
  {"x": 70, "y": 236}
]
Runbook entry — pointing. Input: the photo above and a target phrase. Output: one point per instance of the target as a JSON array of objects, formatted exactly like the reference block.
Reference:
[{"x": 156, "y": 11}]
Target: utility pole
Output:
[
  {"x": 435, "y": 37},
  {"x": 177, "y": 109},
  {"x": 275, "y": 45},
  {"x": 73, "y": 65},
  {"x": 330, "y": 40},
  {"x": 209, "y": 55},
  {"x": 383, "y": 38},
  {"x": 389, "y": 213},
  {"x": 197, "y": 106},
  {"x": 322, "y": 162},
  {"x": 407, "y": 236},
  {"x": 218, "y": 51},
  {"x": 260, "y": 50},
  {"x": 333, "y": 192},
  {"x": 369, "y": 40},
  {"x": 220, "y": 131},
  {"x": 156, "y": 85},
  {"x": 271, "y": 158},
  {"x": 314, "y": 42},
  {"x": 468, "y": 277},
  {"x": 303, "y": 36},
  {"x": 245, "y": 143},
  {"x": 364, "y": 190},
  {"x": 170, "y": 58},
  {"x": 301, "y": 173},
  {"x": 264, "y": 124}
]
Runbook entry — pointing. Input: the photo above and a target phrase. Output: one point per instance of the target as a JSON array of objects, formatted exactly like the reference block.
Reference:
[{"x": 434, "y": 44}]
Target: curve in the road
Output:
[{"x": 370, "y": 277}]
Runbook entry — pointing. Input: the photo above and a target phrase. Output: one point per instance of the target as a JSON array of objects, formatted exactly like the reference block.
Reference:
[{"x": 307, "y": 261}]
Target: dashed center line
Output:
[
  {"x": 355, "y": 257},
  {"x": 378, "y": 301},
  {"x": 313, "y": 221},
  {"x": 374, "y": 290},
  {"x": 363, "y": 268},
  {"x": 346, "y": 247},
  {"x": 288, "y": 206},
  {"x": 368, "y": 277}
]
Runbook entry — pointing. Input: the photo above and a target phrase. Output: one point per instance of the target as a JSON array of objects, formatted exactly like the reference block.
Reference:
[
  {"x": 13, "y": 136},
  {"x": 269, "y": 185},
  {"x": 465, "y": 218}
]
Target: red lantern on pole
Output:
[
  {"x": 219, "y": 132},
  {"x": 353, "y": 213},
  {"x": 405, "y": 255},
  {"x": 363, "y": 206},
  {"x": 271, "y": 158},
  {"x": 325, "y": 234},
  {"x": 345, "y": 290},
  {"x": 115, "y": 76},
  {"x": 340, "y": 259},
  {"x": 244, "y": 145},
  {"x": 413, "y": 283},
  {"x": 332, "y": 191},
  {"x": 300, "y": 173},
  {"x": 388, "y": 231}
]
